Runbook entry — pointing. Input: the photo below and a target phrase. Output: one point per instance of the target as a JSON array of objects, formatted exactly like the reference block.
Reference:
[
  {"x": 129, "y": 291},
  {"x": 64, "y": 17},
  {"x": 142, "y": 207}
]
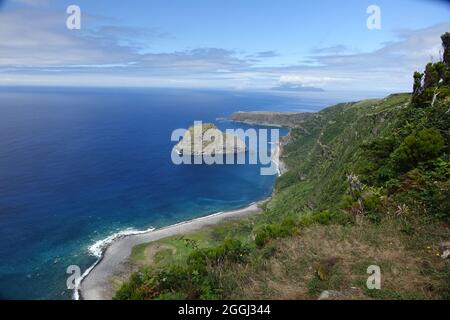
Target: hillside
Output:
[
  {"x": 285, "y": 119},
  {"x": 368, "y": 184}
]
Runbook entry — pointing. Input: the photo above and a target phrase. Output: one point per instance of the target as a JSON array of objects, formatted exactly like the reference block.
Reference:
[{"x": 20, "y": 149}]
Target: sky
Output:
[{"x": 224, "y": 44}]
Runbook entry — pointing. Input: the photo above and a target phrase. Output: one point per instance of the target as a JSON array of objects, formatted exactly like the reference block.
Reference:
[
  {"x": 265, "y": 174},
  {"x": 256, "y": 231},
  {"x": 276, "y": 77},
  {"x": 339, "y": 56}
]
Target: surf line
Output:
[{"x": 98, "y": 249}]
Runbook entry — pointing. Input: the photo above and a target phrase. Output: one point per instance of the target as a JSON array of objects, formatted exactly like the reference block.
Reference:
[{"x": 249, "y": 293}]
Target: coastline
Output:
[
  {"x": 95, "y": 283},
  {"x": 114, "y": 251}
]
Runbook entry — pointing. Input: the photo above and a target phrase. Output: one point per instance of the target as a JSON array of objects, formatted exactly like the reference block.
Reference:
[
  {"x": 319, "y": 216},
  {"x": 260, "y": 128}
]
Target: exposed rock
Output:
[
  {"x": 206, "y": 139},
  {"x": 445, "y": 249},
  {"x": 352, "y": 293}
]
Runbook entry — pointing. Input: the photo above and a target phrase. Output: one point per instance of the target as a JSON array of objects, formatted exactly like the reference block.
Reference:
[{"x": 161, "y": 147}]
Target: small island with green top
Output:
[{"x": 206, "y": 138}]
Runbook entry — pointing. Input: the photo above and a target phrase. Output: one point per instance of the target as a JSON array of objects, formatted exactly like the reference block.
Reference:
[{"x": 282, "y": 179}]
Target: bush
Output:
[
  {"x": 306, "y": 220},
  {"x": 139, "y": 287},
  {"x": 286, "y": 180},
  {"x": 375, "y": 167},
  {"x": 262, "y": 237},
  {"x": 288, "y": 227},
  {"x": 193, "y": 280},
  {"x": 230, "y": 249},
  {"x": 372, "y": 205},
  {"x": 347, "y": 202},
  {"x": 424, "y": 145},
  {"x": 171, "y": 296},
  {"x": 324, "y": 217}
]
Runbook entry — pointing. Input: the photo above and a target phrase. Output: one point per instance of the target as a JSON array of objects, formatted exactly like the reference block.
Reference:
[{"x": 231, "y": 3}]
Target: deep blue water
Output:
[{"x": 77, "y": 165}]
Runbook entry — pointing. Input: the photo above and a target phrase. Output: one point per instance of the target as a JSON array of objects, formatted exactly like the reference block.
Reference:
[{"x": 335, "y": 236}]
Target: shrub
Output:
[
  {"x": 262, "y": 237},
  {"x": 286, "y": 180},
  {"x": 286, "y": 228},
  {"x": 305, "y": 220},
  {"x": 139, "y": 287},
  {"x": 372, "y": 202},
  {"x": 431, "y": 76},
  {"x": 171, "y": 296},
  {"x": 424, "y": 145},
  {"x": 230, "y": 249},
  {"x": 324, "y": 217},
  {"x": 346, "y": 202}
]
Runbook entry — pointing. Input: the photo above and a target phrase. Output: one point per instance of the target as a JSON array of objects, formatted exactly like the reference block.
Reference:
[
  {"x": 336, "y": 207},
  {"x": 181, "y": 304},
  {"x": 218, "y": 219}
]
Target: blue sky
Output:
[{"x": 232, "y": 44}]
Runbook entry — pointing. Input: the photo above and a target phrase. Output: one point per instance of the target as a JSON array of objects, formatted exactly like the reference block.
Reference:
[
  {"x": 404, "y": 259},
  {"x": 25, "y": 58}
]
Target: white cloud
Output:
[
  {"x": 33, "y": 3},
  {"x": 37, "y": 48}
]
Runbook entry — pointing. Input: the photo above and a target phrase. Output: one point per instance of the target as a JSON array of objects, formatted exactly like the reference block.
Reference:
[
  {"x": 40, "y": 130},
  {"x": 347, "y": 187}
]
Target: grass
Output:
[
  {"x": 306, "y": 241},
  {"x": 292, "y": 272},
  {"x": 176, "y": 249}
]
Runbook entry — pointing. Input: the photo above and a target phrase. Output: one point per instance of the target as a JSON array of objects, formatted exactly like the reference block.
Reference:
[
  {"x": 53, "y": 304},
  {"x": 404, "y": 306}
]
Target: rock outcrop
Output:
[{"x": 207, "y": 139}]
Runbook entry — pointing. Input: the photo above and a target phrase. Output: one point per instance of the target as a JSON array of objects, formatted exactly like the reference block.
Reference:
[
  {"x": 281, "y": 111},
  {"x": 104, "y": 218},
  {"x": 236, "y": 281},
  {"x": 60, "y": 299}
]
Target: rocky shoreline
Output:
[{"x": 97, "y": 284}]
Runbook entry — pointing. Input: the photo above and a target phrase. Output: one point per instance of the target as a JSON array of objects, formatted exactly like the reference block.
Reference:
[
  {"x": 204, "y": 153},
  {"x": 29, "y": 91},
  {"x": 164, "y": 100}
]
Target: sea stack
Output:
[{"x": 207, "y": 139}]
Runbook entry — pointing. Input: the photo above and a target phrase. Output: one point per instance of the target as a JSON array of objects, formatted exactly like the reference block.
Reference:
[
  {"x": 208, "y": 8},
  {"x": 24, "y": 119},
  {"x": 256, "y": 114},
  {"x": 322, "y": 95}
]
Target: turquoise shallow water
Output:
[{"x": 77, "y": 165}]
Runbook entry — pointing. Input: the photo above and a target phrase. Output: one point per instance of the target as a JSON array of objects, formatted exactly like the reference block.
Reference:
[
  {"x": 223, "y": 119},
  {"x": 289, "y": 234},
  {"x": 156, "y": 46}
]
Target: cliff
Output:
[
  {"x": 368, "y": 186},
  {"x": 282, "y": 119},
  {"x": 345, "y": 204}
]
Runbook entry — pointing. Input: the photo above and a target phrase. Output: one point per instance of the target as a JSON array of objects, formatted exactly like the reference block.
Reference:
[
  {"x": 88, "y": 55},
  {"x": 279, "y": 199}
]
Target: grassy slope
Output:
[
  {"x": 306, "y": 240},
  {"x": 320, "y": 155}
]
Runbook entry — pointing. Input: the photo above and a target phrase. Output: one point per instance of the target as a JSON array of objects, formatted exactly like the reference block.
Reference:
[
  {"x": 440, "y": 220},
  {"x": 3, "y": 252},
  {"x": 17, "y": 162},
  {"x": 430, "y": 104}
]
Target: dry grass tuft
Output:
[{"x": 336, "y": 258}]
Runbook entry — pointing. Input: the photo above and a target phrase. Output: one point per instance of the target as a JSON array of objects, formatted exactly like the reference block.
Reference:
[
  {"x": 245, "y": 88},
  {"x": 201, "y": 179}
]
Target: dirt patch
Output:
[{"x": 153, "y": 249}]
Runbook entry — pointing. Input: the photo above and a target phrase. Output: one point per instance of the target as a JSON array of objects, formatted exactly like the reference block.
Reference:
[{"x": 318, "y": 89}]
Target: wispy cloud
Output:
[
  {"x": 337, "y": 49},
  {"x": 264, "y": 54},
  {"x": 388, "y": 68},
  {"x": 34, "y": 3},
  {"x": 37, "y": 48}
]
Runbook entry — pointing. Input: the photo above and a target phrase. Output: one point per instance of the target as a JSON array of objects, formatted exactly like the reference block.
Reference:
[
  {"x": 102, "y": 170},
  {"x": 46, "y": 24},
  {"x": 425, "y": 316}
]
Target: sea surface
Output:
[{"x": 79, "y": 165}]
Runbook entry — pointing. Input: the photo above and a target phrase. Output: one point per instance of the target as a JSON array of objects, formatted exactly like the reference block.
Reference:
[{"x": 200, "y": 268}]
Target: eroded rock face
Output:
[{"x": 206, "y": 139}]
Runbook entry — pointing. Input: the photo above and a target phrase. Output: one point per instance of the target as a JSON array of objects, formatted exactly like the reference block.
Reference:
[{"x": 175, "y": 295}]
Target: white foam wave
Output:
[
  {"x": 97, "y": 250},
  {"x": 98, "y": 247}
]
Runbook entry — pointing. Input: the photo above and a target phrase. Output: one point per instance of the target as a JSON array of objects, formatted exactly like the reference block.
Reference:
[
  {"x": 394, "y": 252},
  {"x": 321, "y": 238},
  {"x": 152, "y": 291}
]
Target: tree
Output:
[
  {"x": 417, "y": 88},
  {"x": 446, "y": 45},
  {"x": 435, "y": 76},
  {"x": 423, "y": 145},
  {"x": 431, "y": 76}
]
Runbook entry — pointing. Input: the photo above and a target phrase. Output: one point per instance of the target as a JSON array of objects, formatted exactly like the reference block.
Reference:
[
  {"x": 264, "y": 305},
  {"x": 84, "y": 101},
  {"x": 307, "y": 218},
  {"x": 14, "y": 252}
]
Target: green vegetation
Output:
[
  {"x": 189, "y": 281},
  {"x": 421, "y": 146},
  {"x": 368, "y": 183}
]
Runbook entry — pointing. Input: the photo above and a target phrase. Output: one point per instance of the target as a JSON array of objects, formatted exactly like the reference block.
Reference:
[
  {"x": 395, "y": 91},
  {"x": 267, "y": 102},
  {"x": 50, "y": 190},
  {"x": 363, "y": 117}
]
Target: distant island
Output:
[
  {"x": 206, "y": 138},
  {"x": 296, "y": 87}
]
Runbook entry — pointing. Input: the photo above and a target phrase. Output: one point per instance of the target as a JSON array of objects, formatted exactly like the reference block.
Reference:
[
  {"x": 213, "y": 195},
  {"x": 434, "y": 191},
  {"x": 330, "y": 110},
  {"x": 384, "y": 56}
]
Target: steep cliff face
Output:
[
  {"x": 283, "y": 119},
  {"x": 342, "y": 206},
  {"x": 368, "y": 185}
]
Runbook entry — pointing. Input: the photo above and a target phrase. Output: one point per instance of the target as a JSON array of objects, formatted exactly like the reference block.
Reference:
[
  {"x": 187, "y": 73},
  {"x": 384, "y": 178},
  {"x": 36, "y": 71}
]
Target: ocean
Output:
[{"x": 79, "y": 165}]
